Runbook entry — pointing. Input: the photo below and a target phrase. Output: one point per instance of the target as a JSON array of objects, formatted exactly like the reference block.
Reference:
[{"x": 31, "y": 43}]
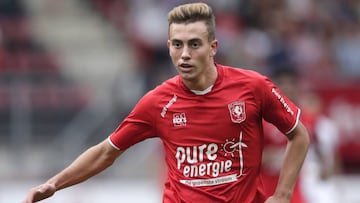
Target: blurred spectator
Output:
[
  {"x": 148, "y": 38},
  {"x": 322, "y": 164},
  {"x": 275, "y": 141},
  {"x": 11, "y": 9},
  {"x": 347, "y": 49},
  {"x": 318, "y": 38}
]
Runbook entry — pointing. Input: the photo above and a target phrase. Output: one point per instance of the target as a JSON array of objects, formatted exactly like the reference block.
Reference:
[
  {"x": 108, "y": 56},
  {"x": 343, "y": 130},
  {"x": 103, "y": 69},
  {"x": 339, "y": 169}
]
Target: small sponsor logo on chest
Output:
[{"x": 179, "y": 119}]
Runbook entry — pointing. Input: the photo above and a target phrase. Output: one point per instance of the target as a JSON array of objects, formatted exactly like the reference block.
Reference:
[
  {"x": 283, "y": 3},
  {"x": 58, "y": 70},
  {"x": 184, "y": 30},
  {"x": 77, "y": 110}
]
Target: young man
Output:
[{"x": 209, "y": 118}]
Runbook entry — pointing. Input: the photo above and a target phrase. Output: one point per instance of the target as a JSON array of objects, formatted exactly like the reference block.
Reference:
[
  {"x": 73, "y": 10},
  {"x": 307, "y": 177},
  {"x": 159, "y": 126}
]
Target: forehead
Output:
[{"x": 186, "y": 31}]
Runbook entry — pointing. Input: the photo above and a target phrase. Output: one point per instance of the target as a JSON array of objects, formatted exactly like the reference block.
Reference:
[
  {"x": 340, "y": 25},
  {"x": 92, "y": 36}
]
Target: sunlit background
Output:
[{"x": 71, "y": 70}]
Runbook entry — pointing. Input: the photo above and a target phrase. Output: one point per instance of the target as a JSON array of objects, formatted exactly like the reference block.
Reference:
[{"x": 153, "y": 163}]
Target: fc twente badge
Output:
[{"x": 237, "y": 111}]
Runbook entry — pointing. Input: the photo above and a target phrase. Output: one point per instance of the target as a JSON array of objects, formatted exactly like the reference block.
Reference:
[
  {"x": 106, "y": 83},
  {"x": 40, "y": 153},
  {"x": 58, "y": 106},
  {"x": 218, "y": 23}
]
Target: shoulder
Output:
[
  {"x": 230, "y": 71},
  {"x": 245, "y": 76}
]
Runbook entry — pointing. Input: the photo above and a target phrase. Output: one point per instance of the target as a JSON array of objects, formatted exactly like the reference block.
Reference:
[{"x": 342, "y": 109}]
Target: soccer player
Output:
[{"x": 209, "y": 119}]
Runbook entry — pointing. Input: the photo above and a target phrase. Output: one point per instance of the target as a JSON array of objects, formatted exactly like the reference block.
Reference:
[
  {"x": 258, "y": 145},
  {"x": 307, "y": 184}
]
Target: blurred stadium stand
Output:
[
  {"x": 58, "y": 83},
  {"x": 36, "y": 98},
  {"x": 71, "y": 70}
]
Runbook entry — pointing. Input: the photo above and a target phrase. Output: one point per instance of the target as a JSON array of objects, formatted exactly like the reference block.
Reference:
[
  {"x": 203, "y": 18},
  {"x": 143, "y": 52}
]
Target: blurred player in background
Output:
[
  {"x": 274, "y": 140},
  {"x": 321, "y": 163},
  {"x": 209, "y": 118}
]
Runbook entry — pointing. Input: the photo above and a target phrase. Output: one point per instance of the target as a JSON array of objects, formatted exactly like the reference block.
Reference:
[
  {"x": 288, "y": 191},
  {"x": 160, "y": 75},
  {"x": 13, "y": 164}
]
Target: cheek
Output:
[
  {"x": 173, "y": 58},
  {"x": 174, "y": 54},
  {"x": 203, "y": 57}
]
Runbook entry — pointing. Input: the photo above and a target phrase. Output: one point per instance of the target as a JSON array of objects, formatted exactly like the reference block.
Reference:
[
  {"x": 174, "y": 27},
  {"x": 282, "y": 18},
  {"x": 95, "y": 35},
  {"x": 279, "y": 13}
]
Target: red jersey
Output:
[{"x": 213, "y": 142}]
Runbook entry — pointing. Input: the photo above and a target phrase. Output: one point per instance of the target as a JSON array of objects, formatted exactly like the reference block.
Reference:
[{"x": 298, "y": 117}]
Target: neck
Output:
[{"x": 204, "y": 81}]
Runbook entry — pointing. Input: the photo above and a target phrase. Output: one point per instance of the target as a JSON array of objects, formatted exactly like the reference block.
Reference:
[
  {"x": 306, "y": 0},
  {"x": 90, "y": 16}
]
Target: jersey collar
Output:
[{"x": 218, "y": 80}]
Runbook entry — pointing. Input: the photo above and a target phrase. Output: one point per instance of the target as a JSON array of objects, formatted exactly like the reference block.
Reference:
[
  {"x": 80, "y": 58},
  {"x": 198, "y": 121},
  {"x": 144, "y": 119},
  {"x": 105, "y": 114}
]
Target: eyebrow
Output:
[{"x": 190, "y": 40}]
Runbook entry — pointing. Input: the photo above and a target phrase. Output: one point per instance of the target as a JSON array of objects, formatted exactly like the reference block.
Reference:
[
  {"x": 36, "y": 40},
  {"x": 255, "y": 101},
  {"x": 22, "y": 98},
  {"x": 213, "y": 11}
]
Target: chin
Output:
[{"x": 187, "y": 76}]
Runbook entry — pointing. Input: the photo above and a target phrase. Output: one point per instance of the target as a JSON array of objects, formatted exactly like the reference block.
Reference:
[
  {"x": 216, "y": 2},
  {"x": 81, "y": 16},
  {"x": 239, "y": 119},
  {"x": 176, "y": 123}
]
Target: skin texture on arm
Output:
[
  {"x": 295, "y": 154},
  {"x": 91, "y": 162}
]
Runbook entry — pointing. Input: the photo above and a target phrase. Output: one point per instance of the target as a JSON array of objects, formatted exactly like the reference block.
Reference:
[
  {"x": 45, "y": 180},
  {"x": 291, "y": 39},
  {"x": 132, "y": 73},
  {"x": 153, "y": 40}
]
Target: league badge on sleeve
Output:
[{"x": 237, "y": 111}]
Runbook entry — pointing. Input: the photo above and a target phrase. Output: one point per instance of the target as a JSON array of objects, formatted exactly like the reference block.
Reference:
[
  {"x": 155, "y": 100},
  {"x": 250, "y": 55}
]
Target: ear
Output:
[
  {"x": 213, "y": 47},
  {"x": 168, "y": 45}
]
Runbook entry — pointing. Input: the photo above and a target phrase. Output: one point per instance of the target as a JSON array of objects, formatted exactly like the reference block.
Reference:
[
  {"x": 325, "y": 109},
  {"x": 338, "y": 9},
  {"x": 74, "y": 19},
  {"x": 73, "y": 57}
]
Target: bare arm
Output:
[
  {"x": 295, "y": 154},
  {"x": 91, "y": 162}
]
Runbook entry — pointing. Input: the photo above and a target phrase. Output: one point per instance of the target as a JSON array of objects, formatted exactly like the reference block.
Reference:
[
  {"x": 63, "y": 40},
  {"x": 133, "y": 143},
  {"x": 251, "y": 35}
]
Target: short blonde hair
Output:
[{"x": 193, "y": 12}]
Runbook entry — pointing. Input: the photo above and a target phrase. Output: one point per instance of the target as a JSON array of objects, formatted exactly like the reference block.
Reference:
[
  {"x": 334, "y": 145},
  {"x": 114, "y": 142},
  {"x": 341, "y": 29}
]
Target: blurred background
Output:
[{"x": 71, "y": 70}]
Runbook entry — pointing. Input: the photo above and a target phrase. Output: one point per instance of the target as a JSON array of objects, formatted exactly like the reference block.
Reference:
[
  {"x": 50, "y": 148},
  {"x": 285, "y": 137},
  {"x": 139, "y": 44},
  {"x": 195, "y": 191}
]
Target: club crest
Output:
[{"x": 237, "y": 111}]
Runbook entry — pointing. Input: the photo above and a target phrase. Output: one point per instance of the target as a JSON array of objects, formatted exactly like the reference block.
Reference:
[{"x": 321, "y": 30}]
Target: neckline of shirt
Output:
[
  {"x": 202, "y": 92},
  {"x": 212, "y": 87}
]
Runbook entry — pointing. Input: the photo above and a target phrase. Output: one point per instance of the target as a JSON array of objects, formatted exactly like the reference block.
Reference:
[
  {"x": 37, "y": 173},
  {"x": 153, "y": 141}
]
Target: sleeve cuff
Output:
[
  {"x": 112, "y": 144},
  {"x": 296, "y": 123}
]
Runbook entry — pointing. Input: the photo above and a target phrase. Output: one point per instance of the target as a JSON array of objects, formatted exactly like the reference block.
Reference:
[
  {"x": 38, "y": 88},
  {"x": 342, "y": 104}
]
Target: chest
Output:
[{"x": 212, "y": 118}]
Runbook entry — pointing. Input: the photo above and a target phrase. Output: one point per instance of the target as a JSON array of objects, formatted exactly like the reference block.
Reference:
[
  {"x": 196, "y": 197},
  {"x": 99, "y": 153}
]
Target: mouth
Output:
[{"x": 185, "y": 67}]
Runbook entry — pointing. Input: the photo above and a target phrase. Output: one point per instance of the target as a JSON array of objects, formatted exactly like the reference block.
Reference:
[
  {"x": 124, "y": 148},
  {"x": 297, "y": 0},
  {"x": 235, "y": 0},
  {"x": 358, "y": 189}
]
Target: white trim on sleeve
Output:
[
  {"x": 296, "y": 123},
  {"x": 112, "y": 144}
]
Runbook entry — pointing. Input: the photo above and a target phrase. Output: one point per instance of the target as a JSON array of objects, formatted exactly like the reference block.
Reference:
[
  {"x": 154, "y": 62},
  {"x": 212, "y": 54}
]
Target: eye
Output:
[
  {"x": 195, "y": 45},
  {"x": 177, "y": 45}
]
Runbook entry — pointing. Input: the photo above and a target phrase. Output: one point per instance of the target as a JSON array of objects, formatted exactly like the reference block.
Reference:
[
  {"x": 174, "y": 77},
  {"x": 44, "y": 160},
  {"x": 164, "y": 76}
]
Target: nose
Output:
[{"x": 185, "y": 53}]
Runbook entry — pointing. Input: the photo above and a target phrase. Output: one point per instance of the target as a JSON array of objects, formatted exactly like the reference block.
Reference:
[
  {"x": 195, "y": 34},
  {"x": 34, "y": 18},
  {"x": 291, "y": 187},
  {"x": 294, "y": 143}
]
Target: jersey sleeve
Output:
[
  {"x": 277, "y": 108},
  {"x": 136, "y": 127}
]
